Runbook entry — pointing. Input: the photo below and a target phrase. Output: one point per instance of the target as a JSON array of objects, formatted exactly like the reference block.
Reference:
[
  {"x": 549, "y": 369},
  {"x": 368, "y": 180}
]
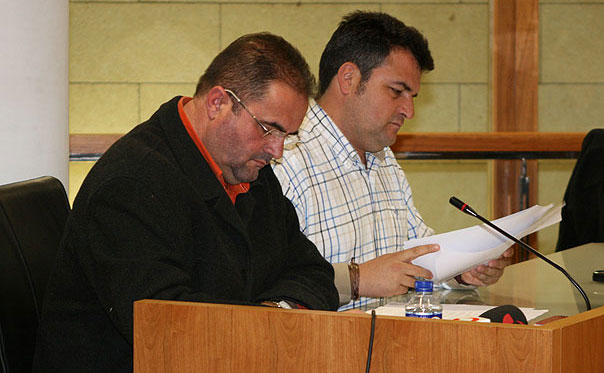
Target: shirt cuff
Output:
[{"x": 342, "y": 282}]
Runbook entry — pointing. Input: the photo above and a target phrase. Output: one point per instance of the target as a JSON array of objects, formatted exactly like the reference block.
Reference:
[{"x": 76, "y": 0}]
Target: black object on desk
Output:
[{"x": 598, "y": 275}]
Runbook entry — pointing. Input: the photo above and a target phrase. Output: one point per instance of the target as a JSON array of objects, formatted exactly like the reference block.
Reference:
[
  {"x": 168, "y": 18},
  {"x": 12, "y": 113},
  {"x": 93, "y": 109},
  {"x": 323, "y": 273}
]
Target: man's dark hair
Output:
[
  {"x": 249, "y": 64},
  {"x": 366, "y": 39}
]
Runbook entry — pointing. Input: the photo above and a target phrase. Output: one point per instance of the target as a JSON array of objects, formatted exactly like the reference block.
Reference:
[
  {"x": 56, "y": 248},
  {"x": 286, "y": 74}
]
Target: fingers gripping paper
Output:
[{"x": 466, "y": 248}]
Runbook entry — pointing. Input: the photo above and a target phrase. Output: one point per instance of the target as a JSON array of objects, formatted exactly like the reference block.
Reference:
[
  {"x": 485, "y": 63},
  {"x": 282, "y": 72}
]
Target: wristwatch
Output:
[{"x": 280, "y": 304}]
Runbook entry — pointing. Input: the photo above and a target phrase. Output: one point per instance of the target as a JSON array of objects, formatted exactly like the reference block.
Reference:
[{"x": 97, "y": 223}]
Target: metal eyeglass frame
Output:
[{"x": 275, "y": 132}]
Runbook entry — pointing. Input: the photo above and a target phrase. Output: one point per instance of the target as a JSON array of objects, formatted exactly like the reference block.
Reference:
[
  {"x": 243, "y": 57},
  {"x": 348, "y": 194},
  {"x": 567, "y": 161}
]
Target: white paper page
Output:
[
  {"x": 453, "y": 311},
  {"x": 466, "y": 248}
]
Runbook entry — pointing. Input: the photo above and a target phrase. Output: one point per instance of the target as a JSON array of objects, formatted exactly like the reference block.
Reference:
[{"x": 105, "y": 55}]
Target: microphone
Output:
[
  {"x": 507, "y": 314},
  {"x": 468, "y": 210}
]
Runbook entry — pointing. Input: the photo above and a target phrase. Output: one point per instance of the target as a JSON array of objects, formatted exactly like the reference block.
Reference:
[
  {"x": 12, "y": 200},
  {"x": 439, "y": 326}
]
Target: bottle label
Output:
[{"x": 425, "y": 315}]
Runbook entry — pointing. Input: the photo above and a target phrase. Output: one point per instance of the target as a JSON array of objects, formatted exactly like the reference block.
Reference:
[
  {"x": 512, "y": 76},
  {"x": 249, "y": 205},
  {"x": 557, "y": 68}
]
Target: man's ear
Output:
[
  {"x": 216, "y": 101},
  {"x": 348, "y": 78}
]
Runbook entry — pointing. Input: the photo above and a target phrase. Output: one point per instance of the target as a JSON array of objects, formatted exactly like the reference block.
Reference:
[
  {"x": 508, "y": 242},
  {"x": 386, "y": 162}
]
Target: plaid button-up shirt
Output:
[{"x": 346, "y": 208}]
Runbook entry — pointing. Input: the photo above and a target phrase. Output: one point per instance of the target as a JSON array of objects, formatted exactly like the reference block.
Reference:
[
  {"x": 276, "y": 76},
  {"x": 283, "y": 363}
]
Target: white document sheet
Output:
[
  {"x": 452, "y": 311},
  {"x": 466, "y": 248}
]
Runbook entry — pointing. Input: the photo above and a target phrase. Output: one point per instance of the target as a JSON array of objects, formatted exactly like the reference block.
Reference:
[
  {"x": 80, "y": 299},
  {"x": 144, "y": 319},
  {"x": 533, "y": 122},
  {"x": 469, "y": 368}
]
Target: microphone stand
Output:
[{"x": 468, "y": 210}]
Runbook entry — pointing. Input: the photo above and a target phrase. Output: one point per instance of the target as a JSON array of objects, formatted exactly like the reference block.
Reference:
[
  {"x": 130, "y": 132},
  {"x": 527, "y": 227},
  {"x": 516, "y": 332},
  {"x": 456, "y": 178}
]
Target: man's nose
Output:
[
  {"x": 274, "y": 146},
  {"x": 407, "y": 108}
]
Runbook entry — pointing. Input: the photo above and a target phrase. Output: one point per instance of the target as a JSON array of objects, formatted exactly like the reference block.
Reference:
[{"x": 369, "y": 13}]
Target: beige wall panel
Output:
[
  {"x": 458, "y": 35},
  {"x": 287, "y": 1},
  {"x": 141, "y": 42},
  {"x": 181, "y": 1},
  {"x": 570, "y": 107},
  {"x": 103, "y": 108},
  {"x": 569, "y": 1},
  {"x": 571, "y": 45},
  {"x": 474, "y": 108},
  {"x": 553, "y": 179},
  {"x": 308, "y": 27},
  {"x": 434, "y": 182},
  {"x": 153, "y": 95},
  {"x": 307, "y": 1},
  {"x": 336, "y": 1},
  {"x": 436, "y": 109},
  {"x": 98, "y": 1},
  {"x": 77, "y": 173}
]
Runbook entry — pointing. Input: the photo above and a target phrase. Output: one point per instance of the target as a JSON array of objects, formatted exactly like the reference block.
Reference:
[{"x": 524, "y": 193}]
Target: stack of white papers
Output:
[
  {"x": 453, "y": 311},
  {"x": 464, "y": 249}
]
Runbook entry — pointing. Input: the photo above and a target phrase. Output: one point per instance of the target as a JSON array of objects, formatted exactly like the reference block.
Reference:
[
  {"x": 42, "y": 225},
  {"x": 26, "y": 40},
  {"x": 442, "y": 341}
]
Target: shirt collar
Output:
[{"x": 231, "y": 190}]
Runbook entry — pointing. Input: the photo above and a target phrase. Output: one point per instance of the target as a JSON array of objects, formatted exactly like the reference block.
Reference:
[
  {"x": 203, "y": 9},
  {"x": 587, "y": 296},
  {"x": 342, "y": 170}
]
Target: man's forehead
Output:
[
  {"x": 400, "y": 68},
  {"x": 282, "y": 107}
]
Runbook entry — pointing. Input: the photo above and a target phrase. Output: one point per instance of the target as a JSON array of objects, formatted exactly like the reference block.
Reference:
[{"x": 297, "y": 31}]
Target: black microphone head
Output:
[
  {"x": 462, "y": 206},
  {"x": 456, "y": 202},
  {"x": 507, "y": 314}
]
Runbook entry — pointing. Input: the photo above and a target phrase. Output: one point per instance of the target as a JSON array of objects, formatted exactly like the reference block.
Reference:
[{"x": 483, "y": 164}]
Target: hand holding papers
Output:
[{"x": 464, "y": 249}]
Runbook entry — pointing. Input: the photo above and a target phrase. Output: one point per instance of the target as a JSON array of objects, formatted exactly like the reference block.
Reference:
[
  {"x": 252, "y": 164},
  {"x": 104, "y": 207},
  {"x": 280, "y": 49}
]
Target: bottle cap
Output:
[{"x": 423, "y": 286}]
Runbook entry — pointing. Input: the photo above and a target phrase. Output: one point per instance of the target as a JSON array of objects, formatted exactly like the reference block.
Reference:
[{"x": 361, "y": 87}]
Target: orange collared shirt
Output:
[{"x": 232, "y": 190}]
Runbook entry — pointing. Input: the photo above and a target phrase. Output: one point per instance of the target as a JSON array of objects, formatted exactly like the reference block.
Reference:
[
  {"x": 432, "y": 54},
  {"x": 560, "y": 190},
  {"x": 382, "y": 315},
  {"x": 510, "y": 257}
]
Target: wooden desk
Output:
[
  {"x": 196, "y": 337},
  {"x": 199, "y": 337},
  {"x": 534, "y": 283}
]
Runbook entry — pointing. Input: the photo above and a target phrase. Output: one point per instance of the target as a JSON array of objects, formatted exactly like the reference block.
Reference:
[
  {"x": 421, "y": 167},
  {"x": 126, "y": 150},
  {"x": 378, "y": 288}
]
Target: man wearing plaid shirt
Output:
[{"x": 351, "y": 196}]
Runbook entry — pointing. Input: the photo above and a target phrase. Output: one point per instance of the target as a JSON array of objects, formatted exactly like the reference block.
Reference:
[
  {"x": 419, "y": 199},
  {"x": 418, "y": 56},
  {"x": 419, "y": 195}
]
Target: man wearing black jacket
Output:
[
  {"x": 583, "y": 215},
  {"x": 183, "y": 208}
]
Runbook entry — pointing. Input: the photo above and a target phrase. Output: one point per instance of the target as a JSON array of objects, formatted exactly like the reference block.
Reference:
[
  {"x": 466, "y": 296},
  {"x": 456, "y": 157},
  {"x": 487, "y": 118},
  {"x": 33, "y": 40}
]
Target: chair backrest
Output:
[
  {"x": 33, "y": 214},
  {"x": 583, "y": 215}
]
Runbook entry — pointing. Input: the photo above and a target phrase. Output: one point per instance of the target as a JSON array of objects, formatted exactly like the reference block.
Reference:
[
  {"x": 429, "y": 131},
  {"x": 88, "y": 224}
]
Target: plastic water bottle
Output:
[{"x": 423, "y": 304}]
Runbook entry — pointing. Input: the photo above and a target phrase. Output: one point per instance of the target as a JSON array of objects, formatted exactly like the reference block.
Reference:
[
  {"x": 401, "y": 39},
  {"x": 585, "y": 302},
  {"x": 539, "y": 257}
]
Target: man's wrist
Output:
[
  {"x": 285, "y": 304},
  {"x": 276, "y": 304}
]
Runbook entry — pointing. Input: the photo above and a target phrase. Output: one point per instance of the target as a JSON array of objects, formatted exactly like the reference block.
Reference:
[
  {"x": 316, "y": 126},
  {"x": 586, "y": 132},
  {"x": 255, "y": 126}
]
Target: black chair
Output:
[
  {"x": 583, "y": 215},
  {"x": 32, "y": 218}
]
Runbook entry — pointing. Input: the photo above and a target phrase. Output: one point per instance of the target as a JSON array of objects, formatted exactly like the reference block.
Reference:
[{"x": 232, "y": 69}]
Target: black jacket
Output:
[
  {"x": 583, "y": 215},
  {"x": 152, "y": 221}
]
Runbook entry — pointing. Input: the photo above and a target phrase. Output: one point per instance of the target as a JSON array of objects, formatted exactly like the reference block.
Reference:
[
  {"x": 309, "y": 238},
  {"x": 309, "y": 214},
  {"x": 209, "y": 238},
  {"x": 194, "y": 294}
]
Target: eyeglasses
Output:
[{"x": 275, "y": 132}]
